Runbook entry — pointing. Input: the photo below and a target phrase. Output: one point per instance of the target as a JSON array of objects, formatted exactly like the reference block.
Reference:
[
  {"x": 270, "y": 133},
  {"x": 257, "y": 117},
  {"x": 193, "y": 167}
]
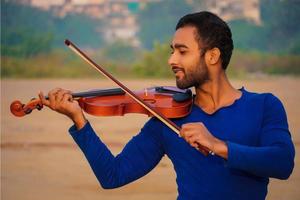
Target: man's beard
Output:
[{"x": 193, "y": 78}]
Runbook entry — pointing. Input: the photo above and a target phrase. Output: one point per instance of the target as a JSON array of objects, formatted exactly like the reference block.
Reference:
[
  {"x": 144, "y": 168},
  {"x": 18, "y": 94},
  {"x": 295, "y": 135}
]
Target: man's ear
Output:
[{"x": 213, "y": 56}]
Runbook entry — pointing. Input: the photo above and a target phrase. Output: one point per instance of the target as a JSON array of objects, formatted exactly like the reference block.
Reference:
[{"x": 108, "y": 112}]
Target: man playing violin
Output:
[{"x": 247, "y": 133}]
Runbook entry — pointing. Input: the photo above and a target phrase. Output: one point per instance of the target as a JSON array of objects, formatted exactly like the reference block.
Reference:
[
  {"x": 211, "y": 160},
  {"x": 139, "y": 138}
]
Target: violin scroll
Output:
[{"x": 19, "y": 109}]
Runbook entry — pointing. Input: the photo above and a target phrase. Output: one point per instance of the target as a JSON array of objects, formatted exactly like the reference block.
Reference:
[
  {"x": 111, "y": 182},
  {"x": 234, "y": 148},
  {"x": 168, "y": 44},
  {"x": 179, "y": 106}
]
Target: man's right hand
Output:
[{"x": 61, "y": 101}]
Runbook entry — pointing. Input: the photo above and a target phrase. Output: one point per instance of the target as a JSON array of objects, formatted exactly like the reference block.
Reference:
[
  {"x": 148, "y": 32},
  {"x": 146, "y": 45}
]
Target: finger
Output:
[
  {"x": 200, "y": 148},
  {"x": 203, "y": 150},
  {"x": 43, "y": 100},
  {"x": 67, "y": 97},
  {"x": 193, "y": 125},
  {"x": 52, "y": 97},
  {"x": 183, "y": 130},
  {"x": 195, "y": 145},
  {"x": 193, "y": 139},
  {"x": 69, "y": 93},
  {"x": 187, "y": 127},
  {"x": 182, "y": 133},
  {"x": 186, "y": 134},
  {"x": 59, "y": 95}
]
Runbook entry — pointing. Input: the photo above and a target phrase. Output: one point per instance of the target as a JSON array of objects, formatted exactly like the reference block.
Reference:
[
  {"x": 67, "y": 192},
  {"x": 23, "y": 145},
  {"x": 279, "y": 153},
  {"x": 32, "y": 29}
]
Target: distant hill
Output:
[
  {"x": 27, "y": 31},
  {"x": 278, "y": 33}
]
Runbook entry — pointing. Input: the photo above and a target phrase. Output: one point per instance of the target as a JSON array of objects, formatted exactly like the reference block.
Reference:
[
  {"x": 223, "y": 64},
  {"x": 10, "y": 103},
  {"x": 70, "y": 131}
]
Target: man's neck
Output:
[{"x": 216, "y": 93}]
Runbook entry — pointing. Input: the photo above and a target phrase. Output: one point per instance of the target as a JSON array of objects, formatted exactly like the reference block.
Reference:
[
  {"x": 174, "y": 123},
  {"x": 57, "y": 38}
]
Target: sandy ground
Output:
[{"x": 40, "y": 161}]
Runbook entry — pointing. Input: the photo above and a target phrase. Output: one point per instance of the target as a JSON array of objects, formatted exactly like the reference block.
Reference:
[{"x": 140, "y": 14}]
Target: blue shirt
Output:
[{"x": 259, "y": 144}]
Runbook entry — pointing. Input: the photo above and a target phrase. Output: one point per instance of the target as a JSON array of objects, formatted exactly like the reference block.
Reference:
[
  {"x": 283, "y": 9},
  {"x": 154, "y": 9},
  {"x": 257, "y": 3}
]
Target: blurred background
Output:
[{"x": 130, "y": 39}]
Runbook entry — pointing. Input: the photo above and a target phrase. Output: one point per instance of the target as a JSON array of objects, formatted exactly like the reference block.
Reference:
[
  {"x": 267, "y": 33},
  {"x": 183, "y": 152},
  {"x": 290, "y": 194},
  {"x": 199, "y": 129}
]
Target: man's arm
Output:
[
  {"x": 274, "y": 157},
  {"x": 138, "y": 157},
  {"x": 141, "y": 154}
]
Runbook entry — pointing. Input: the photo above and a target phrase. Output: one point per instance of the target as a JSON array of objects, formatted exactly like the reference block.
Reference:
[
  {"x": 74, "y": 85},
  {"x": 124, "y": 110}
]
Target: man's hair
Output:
[{"x": 212, "y": 32}]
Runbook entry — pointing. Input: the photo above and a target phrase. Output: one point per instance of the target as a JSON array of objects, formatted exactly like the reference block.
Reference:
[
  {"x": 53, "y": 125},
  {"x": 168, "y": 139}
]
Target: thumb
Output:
[{"x": 43, "y": 99}]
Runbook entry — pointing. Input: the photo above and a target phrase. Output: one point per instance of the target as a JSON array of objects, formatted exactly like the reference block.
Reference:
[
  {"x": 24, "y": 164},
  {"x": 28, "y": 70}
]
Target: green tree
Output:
[
  {"x": 79, "y": 28},
  {"x": 27, "y": 31},
  {"x": 280, "y": 18},
  {"x": 22, "y": 44},
  {"x": 120, "y": 52},
  {"x": 154, "y": 63},
  {"x": 158, "y": 20},
  {"x": 248, "y": 36}
]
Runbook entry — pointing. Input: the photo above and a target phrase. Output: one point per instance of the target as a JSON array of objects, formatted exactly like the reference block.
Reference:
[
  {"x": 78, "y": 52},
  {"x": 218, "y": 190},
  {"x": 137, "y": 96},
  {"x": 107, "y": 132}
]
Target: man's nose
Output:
[{"x": 172, "y": 59}]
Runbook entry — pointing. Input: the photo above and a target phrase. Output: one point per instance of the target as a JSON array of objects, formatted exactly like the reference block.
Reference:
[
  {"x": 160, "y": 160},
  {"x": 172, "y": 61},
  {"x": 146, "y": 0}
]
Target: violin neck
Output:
[{"x": 98, "y": 93}]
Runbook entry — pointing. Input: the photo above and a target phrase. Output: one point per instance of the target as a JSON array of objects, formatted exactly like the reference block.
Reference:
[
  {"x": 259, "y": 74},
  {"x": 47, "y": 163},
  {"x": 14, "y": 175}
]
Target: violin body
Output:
[{"x": 118, "y": 105}]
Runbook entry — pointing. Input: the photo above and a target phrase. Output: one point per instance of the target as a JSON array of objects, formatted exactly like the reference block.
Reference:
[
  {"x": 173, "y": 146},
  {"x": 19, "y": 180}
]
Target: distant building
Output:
[
  {"x": 235, "y": 9},
  {"x": 25, "y": 2},
  {"x": 120, "y": 15}
]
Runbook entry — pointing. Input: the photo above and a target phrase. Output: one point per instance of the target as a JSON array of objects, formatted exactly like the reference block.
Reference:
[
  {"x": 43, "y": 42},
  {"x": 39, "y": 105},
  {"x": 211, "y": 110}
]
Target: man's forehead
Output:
[{"x": 186, "y": 36}]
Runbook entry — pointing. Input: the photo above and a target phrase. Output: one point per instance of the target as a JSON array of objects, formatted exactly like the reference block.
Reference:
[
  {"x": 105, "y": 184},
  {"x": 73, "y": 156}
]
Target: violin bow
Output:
[{"x": 146, "y": 105}]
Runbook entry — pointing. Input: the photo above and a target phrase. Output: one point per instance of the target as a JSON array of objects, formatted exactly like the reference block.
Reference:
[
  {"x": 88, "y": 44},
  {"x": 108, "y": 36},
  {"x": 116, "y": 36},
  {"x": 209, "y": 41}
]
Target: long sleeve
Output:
[
  {"x": 140, "y": 155},
  {"x": 274, "y": 157}
]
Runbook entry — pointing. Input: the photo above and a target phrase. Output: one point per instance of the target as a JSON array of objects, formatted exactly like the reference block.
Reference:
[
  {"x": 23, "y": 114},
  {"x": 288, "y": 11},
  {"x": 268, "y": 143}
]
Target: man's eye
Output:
[{"x": 182, "y": 52}]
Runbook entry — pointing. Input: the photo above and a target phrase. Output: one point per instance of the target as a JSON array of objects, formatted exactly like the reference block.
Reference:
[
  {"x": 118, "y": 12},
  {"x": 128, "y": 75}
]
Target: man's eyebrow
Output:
[{"x": 177, "y": 46}]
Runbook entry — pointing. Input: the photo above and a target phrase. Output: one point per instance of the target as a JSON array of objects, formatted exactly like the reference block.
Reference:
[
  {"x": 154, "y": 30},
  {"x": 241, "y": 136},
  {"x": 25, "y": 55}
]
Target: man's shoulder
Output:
[{"x": 266, "y": 99}]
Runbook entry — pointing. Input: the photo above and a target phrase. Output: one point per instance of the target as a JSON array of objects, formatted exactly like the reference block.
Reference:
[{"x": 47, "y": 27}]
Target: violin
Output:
[
  {"x": 144, "y": 101},
  {"x": 169, "y": 101}
]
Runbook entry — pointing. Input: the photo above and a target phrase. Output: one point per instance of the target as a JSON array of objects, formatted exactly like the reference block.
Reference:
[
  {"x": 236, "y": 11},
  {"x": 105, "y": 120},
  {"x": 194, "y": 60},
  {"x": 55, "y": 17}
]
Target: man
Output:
[{"x": 247, "y": 132}]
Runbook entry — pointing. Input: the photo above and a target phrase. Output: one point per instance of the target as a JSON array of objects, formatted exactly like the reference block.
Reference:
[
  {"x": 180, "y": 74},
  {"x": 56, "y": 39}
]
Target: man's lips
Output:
[{"x": 177, "y": 69}]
